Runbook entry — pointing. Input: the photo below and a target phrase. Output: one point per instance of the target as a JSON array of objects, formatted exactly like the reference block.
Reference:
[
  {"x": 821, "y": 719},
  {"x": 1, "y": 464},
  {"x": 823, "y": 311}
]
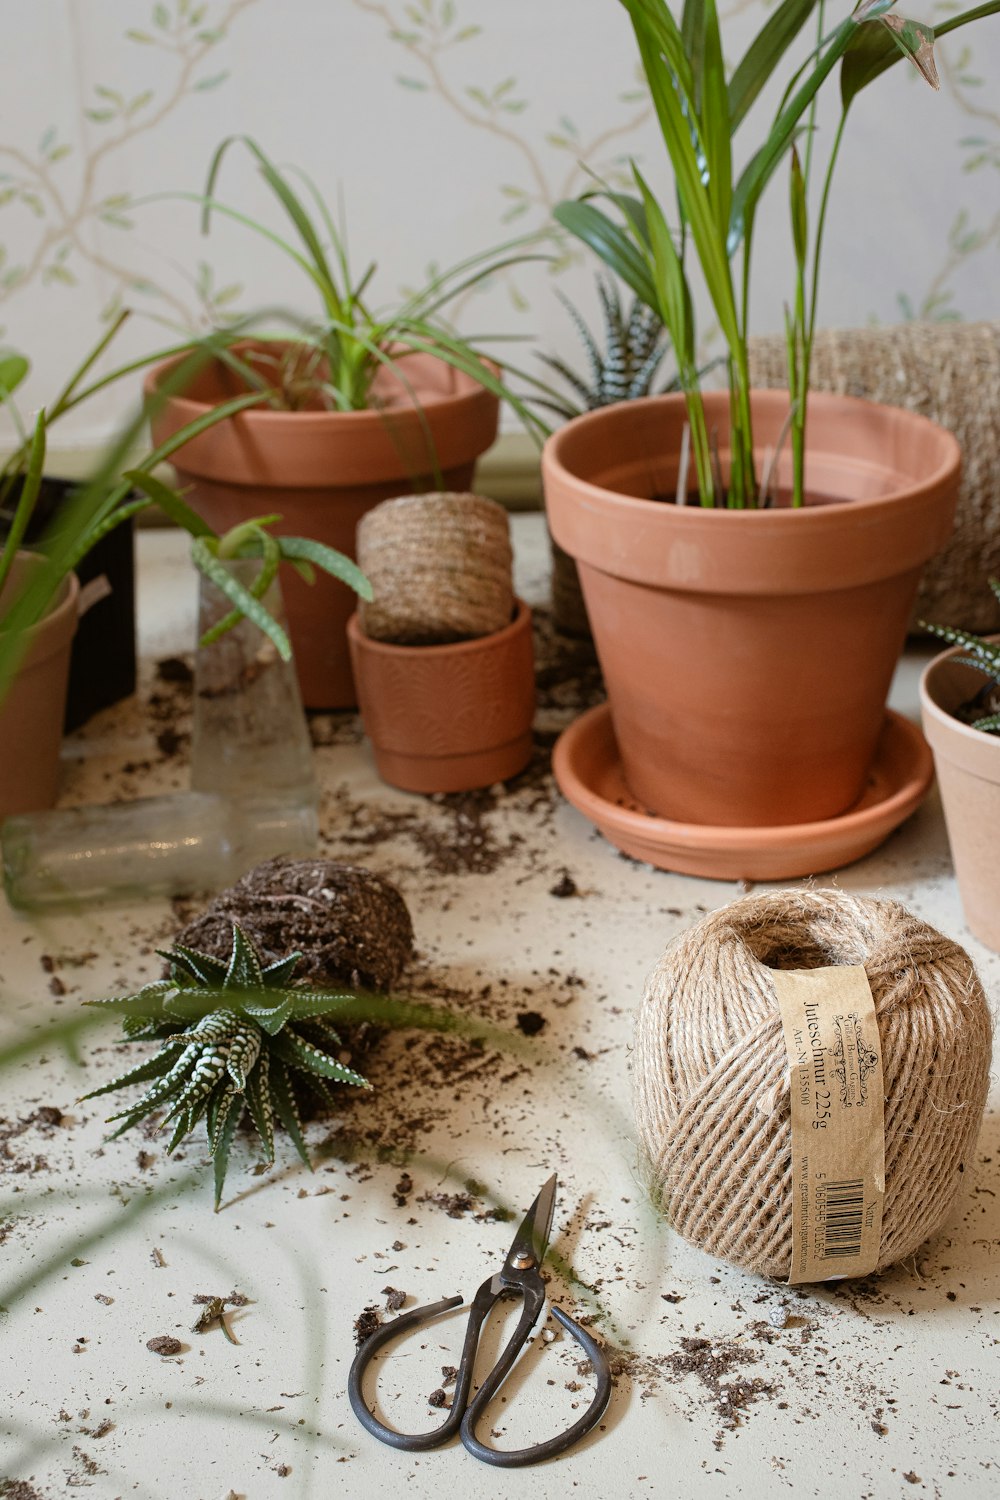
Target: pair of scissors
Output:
[{"x": 519, "y": 1277}]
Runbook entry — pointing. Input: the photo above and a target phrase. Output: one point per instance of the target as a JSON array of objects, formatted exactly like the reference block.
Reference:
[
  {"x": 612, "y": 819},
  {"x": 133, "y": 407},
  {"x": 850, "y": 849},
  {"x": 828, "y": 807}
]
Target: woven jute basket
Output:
[
  {"x": 440, "y": 567},
  {"x": 949, "y": 372}
]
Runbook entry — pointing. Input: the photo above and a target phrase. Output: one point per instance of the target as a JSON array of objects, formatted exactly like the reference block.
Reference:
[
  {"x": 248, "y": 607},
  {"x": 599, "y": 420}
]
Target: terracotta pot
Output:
[
  {"x": 748, "y": 654},
  {"x": 452, "y": 717},
  {"x": 31, "y": 715},
  {"x": 967, "y": 762},
  {"x": 321, "y": 471}
]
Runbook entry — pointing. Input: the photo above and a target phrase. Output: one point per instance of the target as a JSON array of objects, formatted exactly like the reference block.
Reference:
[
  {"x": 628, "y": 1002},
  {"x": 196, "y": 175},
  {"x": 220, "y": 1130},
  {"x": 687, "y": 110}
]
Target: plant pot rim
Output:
[
  {"x": 469, "y": 394},
  {"x": 977, "y": 743},
  {"x": 59, "y": 621},
  {"x": 521, "y": 620},
  {"x": 775, "y": 519}
]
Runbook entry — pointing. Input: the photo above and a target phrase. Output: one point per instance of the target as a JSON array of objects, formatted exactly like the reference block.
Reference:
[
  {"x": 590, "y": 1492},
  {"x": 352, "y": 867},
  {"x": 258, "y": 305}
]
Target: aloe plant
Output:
[
  {"x": 985, "y": 657},
  {"x": 699, "y": 111},
  {"x": 236, "y": 1038}
]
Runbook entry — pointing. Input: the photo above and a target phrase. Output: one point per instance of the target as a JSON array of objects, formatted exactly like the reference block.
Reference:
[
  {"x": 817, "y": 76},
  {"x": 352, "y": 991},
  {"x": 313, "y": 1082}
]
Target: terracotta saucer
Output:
[{"x": 588, "y": 770}]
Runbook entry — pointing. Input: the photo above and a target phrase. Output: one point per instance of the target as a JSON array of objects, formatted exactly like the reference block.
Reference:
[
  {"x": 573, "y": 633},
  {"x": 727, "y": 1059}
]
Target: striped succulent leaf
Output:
[{"x": 236, "y": 1053}]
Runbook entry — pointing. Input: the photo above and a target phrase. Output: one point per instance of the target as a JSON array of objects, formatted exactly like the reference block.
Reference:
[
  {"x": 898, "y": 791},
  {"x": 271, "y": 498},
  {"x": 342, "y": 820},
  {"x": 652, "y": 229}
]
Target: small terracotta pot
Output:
[
  {"x": 967, "y": 762},
  {"x": 321, "y": 471},
  {"x": 748, "y": 654},
  {"x": 452, "y": 717},
  {"x": 31, "y": 715}
]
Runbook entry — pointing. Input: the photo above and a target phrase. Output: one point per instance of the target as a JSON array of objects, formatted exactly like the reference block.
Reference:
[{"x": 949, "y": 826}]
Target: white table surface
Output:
[{"x": 880, "y": 1389}]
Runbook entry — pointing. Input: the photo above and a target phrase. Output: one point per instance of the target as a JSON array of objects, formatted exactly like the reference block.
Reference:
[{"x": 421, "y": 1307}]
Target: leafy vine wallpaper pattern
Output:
[{"x": 441, "y": 127}]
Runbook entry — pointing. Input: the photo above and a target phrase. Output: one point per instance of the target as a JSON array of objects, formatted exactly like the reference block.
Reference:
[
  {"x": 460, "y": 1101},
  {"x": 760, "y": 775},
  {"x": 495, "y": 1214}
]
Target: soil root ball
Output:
[{"x": 351, "y": 926}]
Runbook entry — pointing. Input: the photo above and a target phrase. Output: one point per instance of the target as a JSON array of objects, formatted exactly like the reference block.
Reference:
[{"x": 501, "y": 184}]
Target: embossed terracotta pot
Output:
[
  {"x": 452, "y": 717},
  {"x": 967, "y": 762},
  {"x": 748, "y": 653},
  {"x": 321, "y": 471},
  {"x": 31, "y": 715}
]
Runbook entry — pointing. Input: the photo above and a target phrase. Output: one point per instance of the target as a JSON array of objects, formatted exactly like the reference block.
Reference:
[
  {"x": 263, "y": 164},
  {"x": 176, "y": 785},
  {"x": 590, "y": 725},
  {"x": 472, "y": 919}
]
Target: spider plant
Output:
[
  {"x": 333, "y": 361},
  {"x": 699, "y": 112}
]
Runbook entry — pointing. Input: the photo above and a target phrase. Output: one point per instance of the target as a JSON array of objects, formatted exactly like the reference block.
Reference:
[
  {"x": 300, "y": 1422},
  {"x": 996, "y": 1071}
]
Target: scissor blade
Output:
[{"x": 532, "y": 1239}]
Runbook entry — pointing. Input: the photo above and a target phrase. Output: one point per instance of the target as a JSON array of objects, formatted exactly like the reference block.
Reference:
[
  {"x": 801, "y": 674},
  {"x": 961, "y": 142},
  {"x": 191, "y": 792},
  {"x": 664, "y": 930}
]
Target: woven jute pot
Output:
[
  {"x": 321, "y": 471},
  {"x": 967, "y": 762},
  {"x": 451, "y": 717},
  {"x": 949, "y": 372},
  {"x": 439, "y": 566},
  {"x": 31, "y": 715},
  {"x": 748, "y": 654}
]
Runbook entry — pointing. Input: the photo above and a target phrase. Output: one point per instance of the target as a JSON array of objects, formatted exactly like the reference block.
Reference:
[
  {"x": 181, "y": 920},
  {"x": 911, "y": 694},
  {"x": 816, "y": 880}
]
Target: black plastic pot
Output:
[{"x": 102, "y": 669}]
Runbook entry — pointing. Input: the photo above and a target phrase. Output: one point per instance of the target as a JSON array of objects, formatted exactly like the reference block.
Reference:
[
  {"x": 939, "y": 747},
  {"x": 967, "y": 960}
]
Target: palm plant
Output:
[
  {"x": 985, "y": 657},
  {"x": 699, "y": 112}
]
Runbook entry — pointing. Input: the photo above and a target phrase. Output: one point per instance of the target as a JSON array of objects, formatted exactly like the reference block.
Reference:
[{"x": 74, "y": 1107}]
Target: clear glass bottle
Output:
[
  {"x": 250, "y": 737},
  {"x": 182, "y": 844}
]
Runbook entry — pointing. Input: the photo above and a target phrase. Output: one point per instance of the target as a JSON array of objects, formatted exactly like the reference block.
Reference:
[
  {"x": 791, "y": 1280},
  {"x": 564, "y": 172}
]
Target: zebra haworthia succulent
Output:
[{"x": 235, "y": 1036}]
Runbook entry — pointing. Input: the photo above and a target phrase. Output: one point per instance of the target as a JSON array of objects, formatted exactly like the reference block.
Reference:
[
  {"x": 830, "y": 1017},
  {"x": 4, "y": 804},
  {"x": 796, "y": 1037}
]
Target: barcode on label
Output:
[{"x": 841, "y": 1208}]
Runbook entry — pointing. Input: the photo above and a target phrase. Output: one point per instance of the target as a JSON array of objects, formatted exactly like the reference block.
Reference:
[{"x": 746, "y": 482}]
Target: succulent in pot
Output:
[
  {"x": 748, "y": 575},
  {"x": 361, "y": 404},
  {"x": 960, "y": 704},
  {"x": 443, "y": 654}
]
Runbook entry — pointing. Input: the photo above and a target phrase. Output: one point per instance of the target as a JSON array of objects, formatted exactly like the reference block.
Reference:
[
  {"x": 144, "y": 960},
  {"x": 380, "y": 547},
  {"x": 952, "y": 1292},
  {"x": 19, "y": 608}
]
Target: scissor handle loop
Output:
[
  {"x": 519, "y": 1458},
  {"x": 412, "y": 1442}
]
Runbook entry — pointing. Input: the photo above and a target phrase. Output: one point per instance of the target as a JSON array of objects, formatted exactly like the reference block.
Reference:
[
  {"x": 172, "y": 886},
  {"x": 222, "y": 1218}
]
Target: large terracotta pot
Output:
[
  {"x": 748, "y": 654},
  {"x": 967, "y": 762},
  {"x": 31, "y": 715},
  {"x": 321, "y": 471},
  {"x": 452, "y": 717}
]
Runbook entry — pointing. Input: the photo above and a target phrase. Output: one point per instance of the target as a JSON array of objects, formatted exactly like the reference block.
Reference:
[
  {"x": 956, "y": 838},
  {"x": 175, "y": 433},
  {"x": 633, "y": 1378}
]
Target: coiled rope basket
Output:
[{"x": 711, "y": 1081}]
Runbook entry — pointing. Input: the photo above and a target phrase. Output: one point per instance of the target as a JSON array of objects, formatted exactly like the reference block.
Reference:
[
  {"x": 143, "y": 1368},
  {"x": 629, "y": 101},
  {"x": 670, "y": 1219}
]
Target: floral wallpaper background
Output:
[{"x": 444, "y": 127}]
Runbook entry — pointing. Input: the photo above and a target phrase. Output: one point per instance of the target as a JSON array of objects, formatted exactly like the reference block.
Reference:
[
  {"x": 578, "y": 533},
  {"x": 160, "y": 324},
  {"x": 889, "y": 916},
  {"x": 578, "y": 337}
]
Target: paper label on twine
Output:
[{"x": 838, "y": 1125}]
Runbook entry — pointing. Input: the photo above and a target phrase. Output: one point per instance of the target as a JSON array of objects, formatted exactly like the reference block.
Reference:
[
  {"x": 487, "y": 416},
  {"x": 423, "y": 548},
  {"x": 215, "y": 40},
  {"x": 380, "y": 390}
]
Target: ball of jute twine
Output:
[
  {"x": 439, "y": 566},
  {"x": 711, "y": 1084},
  {"x": 949, "y": 372}
]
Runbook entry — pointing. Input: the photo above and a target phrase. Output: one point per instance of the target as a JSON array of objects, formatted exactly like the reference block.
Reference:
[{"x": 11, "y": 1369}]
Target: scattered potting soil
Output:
[
  {"x": 366, "y": 1323},
  {"x": 164, "y": 1344},
  {"x": 351, "y": 926}
]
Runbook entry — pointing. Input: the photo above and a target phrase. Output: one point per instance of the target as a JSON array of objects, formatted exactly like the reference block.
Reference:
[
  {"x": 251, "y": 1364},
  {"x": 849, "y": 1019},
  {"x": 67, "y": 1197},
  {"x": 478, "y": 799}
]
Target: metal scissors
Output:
[{"x": 520, "y": 1277}]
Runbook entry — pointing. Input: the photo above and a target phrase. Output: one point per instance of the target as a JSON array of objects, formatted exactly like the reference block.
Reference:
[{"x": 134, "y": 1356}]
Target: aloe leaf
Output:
[
  {"x": 204, "y": 968},
  {"x": 269, "y": 1018},
  {"x": 983, "y": 654},
  {"x": 989, "y": 725},
  {"x": 220, "y": 1155},
  {"x": 244, "y": 970},
  {"x": 335, "y": 563},
  {"x": 285, "y": 1107},
  {"x": 153, "y": 1067},
  {"x": 298, "y": 1053},
  {"x": 258, "y": 1098},
  {"x": 235, "y": 591}
]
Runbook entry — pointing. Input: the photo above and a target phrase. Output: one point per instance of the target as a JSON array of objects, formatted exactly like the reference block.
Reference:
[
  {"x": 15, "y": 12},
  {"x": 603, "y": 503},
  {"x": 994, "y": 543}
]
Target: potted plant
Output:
[
  {"x": 443, "y": 654},
  {"x": 361, "y": 405},
  {"x": 39, "y": 590},
  {"x": 748, "y": 577},
  {"x": 961, "y": 717}
]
